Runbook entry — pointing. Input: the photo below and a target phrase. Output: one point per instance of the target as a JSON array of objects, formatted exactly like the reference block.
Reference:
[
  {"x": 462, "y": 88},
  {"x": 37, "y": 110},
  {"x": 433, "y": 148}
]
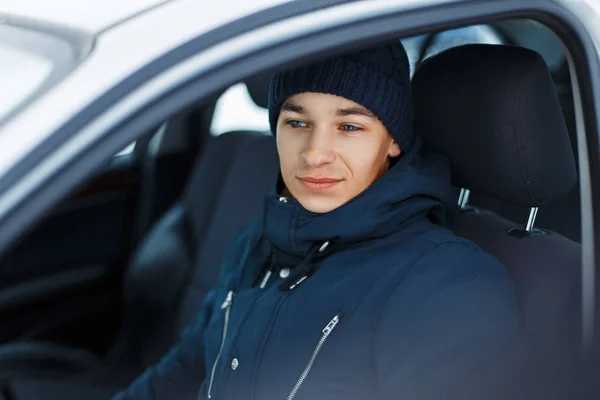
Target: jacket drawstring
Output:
[
  {"x": 304, "y": 270},
  {"x": 266, "y": 266}
]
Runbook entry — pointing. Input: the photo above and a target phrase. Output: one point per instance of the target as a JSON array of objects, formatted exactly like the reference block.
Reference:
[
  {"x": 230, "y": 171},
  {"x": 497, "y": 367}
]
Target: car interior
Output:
[{"x": 102, "y": 287}]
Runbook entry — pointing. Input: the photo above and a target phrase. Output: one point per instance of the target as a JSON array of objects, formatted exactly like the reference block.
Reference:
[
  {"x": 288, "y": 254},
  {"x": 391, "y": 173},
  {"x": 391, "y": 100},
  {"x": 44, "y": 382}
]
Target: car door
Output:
[
  {"x": 60, "y": 280},
  {"x": 161, "y": 91}
]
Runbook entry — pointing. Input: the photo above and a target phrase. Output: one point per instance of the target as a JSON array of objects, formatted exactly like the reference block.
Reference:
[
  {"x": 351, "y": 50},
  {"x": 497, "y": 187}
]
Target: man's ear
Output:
[{"x": 394, "y": 150}]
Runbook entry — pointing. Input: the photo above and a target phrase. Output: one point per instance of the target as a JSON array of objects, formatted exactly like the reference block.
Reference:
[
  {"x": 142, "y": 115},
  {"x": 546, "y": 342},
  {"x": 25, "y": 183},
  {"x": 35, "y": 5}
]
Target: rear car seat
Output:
[
  {"x": 493, "y": 110},
  {"x": 172, "y": 269}
]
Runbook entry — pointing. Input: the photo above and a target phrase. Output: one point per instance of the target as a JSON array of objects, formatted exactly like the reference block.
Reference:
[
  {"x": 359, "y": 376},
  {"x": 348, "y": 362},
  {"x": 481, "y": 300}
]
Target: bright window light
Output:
[{"x": 235, "y": 110}]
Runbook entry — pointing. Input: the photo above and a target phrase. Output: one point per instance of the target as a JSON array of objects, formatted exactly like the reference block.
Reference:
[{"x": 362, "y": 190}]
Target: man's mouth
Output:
[{"x": 319, "y": 183}]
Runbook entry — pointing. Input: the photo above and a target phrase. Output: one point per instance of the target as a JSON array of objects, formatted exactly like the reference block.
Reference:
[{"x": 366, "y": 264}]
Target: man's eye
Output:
[
  {"x": 350, "y": 128},
  {"x": 296, "y": 124}
]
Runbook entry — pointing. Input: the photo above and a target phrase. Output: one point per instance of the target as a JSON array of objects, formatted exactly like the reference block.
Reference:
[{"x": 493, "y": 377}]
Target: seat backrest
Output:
[
  {"x": 249, "y": 166},
  {"x": 493, "y": 110},
  {"x": 180, "y": 259}
]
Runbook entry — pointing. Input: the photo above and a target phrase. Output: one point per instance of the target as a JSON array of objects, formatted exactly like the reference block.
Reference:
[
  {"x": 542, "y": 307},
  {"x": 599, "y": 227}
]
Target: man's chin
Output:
[{"x": 319, "y": 204}]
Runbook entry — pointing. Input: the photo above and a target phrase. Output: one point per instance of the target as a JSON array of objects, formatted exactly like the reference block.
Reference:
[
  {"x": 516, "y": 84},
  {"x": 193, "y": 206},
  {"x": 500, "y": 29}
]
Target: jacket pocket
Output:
[{"x": 325, "y": 335}]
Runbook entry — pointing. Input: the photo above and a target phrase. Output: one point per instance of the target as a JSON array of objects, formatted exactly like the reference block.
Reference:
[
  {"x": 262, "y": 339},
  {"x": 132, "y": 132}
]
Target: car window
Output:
[
  {"x": 235, "y": 109},
  {"x": 413, "y": 47},
  {"x": 476, "y": 34},
  {"x": 537, "y": 37},
  {"x": 127, "y": 150}
]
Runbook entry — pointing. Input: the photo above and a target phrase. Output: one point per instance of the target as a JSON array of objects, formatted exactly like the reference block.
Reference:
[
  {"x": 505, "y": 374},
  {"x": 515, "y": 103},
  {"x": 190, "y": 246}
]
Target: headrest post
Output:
[
  {"x": 531, "y": 219},
  {"x": 463, "y": 198}
]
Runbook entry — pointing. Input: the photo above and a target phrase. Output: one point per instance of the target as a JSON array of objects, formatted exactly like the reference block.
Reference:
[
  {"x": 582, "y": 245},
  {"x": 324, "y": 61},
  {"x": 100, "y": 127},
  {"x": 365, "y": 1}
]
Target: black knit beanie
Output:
[{"x": 377, "y": 78}]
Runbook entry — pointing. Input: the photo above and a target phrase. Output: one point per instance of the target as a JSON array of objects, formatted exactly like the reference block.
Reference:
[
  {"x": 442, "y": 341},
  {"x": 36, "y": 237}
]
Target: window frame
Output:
[{"x": 31, "y": 193}]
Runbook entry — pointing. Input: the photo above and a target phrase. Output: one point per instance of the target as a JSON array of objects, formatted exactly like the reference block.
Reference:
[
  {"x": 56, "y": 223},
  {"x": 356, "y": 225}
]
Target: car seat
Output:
[{"x": 493, "y": 110}]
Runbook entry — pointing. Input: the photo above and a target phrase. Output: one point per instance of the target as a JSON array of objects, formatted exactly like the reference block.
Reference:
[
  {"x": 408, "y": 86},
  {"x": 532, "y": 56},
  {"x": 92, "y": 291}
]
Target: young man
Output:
[{"x": 349, "y": 286}]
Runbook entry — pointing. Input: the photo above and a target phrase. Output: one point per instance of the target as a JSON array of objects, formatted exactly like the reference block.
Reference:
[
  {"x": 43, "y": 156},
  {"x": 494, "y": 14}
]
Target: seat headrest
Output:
[
  {"x": 258, "y": 87},
  {"x": 494, "y": 112}
]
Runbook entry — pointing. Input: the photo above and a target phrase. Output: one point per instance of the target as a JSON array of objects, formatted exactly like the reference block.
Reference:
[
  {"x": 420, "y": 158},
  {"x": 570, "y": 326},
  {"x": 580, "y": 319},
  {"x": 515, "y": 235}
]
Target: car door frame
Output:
[{"x": 202, "y": 67}]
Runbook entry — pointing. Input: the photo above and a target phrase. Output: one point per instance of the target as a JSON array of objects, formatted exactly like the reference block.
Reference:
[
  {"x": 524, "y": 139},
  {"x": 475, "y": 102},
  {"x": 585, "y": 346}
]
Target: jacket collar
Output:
[{"x": 416, "y": 187}]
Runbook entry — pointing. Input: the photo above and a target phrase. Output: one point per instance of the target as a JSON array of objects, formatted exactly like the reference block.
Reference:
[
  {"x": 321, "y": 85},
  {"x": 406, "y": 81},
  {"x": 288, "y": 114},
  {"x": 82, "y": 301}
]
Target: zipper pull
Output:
[
  {"x": 326, "y": 332},
  {"x": 331, "y": 325},
  {"x": 228, "y": 300}
]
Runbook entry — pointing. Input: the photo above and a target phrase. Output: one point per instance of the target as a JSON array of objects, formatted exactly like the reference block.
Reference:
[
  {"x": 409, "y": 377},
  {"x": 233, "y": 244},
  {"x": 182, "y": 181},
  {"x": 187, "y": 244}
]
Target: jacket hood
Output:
[{"x": 417, "y": 186}]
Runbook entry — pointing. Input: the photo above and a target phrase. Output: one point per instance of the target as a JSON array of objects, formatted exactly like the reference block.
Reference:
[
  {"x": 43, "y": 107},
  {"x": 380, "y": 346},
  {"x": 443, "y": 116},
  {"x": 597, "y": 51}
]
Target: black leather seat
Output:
[
  {"x": 173, "y": 268},
  {"x": 494, "y": 111}
]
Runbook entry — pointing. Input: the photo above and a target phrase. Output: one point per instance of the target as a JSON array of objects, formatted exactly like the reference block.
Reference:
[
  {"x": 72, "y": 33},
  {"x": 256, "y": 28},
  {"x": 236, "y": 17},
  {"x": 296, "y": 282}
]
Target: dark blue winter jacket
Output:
[{"x": 373, "y": 300}]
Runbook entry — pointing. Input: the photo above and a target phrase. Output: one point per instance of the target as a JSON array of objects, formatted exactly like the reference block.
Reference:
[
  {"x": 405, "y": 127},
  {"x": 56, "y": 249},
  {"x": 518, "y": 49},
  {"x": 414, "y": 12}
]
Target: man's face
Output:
[{"x": 330, "y": 149}]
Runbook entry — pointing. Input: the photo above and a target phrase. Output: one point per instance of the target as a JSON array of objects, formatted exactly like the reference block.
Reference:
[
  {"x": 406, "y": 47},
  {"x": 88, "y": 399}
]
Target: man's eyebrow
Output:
[
  {"x": 343, "y": 112},
  {"x": 292, "y": 107}
]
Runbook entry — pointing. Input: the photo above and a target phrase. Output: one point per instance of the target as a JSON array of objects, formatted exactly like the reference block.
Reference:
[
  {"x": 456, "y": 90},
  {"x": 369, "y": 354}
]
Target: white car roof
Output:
[
  {"x": 92, "y": 16},
  {"x": 95, "y": 16},
  {"x": 152, "y": 34}
]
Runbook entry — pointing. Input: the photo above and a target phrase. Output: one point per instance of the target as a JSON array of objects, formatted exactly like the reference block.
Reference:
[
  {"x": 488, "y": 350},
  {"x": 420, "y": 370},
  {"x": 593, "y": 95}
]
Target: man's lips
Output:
[
  {"x": 319, "y": 183},
  {"x": 310, "y": 179}
]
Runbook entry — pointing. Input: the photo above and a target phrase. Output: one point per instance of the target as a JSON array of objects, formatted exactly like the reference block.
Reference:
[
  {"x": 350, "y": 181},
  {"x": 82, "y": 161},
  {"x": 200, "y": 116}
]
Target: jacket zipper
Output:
[
  {"x": 227, "y": 307},
  {"x": 326, "y": 332}
]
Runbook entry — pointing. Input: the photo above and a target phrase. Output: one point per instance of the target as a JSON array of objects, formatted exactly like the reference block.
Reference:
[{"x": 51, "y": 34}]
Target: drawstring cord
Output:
[
  {"x": 266, "y": 278},
  {"x": 268, "y": 266},
  {"x": 301, "y": 272},
  {"x": 304, "y": 270}
]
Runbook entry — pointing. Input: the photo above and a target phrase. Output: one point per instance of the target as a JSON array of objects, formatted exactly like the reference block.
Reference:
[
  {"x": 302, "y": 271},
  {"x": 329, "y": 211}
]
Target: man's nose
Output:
[{"x": 319, "y": 149}]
